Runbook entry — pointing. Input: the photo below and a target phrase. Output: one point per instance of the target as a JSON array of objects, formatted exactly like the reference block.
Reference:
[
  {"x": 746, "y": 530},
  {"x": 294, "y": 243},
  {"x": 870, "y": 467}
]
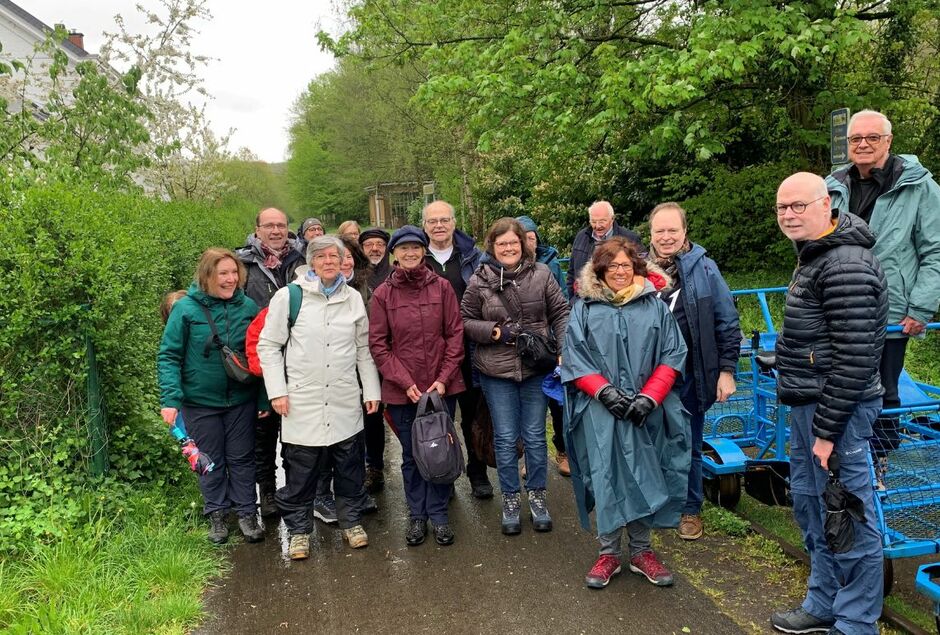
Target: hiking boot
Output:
[
  {"x": 268, "y": 504},
  {"x": 324, "y": 508},
  {"x": 218, "y": 532},
  {"x": 561, "y": 460},
  {"x": 481, "y": 488},
  {"x": 881, "y": 473},
  {"x": 299, "y": 548},
  {"x": 511, "y": 524},
  {"x": 250, "y": 529},
  {"x": 375, "y": 480},
  {"x": 356, "y": 537},
  {"x": 538, "y": 508},
  {"x": 606, "y": 567},
  {"x": 444, "y": 535},
  {"x": 417, "y": 530},
  {"x": 690, "y": 527},
  {"x": 799, "y": 621},
  {"x": 648, "y": 565}
]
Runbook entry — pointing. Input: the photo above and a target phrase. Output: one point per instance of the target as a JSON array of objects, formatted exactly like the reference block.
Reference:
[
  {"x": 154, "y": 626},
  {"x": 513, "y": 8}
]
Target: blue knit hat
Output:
[{"x": 408, "y": 234}]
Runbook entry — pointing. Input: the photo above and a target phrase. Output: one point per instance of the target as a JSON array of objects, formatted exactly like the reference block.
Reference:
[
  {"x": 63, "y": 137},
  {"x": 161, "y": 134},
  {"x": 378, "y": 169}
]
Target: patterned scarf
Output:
[
  {"x": 669, "y": 264},
  {"x": 272, "y": 259},
  {"x": 619, "y": 298}
]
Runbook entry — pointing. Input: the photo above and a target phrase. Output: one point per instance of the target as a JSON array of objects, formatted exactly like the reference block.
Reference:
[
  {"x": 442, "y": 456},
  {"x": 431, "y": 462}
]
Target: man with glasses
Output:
[
  {"x": 453, "y": 255},
  {"x": 900, "y": 201},
  {"x": 601, "y": 226},
  {"x": 271, "y": 258},
  {"x": 828, "y": 354}
]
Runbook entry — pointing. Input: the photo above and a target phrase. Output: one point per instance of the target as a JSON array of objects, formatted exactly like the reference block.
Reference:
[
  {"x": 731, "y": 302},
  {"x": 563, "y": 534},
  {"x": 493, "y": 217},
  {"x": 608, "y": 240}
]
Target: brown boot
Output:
[
  {"x": 561, "y": 459},
  {"x": 690, "y": 527}
]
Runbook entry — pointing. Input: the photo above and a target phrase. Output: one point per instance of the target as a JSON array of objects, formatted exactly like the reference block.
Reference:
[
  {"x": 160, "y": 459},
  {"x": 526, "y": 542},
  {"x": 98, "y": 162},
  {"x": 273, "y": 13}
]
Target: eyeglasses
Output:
[
  {"x": 620, "y": 266},
  {"x": 437, "y": 221},
  {"x": 871, "y": 139},
  {"x": 798, "y": 207},
  {"x": 270, "y": 226},
  {"x": 505, "y": 244}
]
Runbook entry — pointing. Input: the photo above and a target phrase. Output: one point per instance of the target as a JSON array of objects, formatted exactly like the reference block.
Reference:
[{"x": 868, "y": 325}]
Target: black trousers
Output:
[
  {"x": 225, "y": 435},
  {"x": 469, "y": 402},
  {"x": 344, "y": 462},
  {"x": 887, "y": 429},
  {"x": 375, "y": 438},
  {"x": 267, "y": 431}
]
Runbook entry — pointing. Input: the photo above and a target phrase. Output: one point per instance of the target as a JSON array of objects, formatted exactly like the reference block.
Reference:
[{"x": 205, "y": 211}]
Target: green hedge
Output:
[{"x": 75, "y": 262}]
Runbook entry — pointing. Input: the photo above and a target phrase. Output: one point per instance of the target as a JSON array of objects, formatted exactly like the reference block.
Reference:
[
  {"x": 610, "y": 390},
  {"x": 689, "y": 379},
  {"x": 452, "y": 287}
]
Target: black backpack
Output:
[{"x": 435, "y": 445}]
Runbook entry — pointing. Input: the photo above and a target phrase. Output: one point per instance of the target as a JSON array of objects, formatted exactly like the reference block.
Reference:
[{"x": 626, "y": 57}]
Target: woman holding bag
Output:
[
  {"x": 512, "y": 301},
  {"x": 416, "y": 340}
]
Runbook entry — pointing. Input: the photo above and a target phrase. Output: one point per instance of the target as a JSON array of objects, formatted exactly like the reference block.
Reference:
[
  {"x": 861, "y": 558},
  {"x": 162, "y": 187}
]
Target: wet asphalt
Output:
[{"x": 484, "y": 583}]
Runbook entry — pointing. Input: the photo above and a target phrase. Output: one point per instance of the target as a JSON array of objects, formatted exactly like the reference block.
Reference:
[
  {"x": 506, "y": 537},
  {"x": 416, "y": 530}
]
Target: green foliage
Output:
[
  {"x": 724, "y": 521},
  {"x": 140, "y": 567},
  {"x": 554, "y": 105},
  {"x": 80, "y": 262}
]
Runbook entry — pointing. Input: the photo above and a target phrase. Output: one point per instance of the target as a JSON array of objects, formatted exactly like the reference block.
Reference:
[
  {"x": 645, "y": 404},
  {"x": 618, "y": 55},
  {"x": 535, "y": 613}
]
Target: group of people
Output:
[{"x": 647, "y": 340}]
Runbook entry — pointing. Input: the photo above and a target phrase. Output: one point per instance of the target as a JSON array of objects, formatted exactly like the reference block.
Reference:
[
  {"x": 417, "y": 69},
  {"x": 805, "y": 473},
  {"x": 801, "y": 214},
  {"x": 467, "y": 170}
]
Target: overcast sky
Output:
[{"x": 266, "y": 54}]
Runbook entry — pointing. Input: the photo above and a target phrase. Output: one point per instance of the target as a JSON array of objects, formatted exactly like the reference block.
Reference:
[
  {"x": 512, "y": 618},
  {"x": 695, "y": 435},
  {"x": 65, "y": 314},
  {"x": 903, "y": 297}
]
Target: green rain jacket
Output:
[
  {"x": 621, "y": 471},
  {"x": 188, "y": 371},
  {"x": 906, "y": 225}
]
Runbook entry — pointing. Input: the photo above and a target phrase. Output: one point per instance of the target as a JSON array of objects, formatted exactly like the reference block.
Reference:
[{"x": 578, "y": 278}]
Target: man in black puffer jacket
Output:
[{"x": 828, "y": 356}]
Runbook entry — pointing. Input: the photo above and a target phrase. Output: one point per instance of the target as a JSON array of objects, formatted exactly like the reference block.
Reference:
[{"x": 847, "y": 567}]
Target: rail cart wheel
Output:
[
  {"x": 724, "y": 490},
  {"x": 888, "y": 573}
]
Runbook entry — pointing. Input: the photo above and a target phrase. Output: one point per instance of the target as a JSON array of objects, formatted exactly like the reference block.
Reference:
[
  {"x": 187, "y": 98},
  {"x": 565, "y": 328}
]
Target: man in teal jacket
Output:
[{"x": 900, "y": 201}]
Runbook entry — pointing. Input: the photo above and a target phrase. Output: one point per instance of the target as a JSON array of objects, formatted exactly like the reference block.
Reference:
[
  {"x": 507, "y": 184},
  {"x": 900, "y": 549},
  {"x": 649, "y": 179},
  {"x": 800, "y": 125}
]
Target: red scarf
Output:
[{"x": 272, "y": 259}]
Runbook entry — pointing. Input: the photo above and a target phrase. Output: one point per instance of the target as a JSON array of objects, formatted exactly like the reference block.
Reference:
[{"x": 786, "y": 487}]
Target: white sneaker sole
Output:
[{"x": 322, "y": 518}]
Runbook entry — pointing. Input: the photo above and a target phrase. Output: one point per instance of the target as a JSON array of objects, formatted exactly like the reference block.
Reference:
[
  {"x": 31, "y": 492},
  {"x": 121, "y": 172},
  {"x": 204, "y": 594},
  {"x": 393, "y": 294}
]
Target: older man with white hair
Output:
[
  {"x": 828, "y": 354},
  {"x": 601, "y": 226},
  {"x": 900, "y": 201}
]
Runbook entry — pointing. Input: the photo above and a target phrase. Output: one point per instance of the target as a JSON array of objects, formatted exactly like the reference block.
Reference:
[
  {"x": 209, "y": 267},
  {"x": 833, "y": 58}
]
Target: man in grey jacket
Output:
[{"x": 270, "y": 258}]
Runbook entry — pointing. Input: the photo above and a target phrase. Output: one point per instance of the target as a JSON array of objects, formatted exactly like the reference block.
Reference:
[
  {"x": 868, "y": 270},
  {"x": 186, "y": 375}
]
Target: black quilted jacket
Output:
[{"x": 833, "y": 326}]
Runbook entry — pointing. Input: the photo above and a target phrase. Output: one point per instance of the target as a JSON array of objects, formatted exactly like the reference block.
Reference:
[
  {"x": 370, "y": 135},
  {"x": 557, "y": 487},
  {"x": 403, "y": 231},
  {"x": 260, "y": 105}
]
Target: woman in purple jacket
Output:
[{"x": 416, "y": 339}]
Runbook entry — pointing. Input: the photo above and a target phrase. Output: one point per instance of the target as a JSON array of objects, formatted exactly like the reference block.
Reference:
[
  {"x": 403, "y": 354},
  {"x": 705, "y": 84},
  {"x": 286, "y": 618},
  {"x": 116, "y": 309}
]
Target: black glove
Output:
[
  {"x": 640, "y": 409},
  {"x": 615, "y": 400}
]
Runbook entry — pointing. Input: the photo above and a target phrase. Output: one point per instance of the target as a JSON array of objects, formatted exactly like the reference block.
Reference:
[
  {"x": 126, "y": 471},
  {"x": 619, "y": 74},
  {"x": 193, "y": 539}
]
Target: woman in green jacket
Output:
[{"x": 219, "y": 412}]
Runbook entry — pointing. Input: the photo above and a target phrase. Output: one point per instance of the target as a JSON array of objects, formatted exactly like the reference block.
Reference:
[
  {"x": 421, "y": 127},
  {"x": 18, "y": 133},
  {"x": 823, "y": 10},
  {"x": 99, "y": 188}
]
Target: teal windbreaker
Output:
[{"x": 906, "y": 225}]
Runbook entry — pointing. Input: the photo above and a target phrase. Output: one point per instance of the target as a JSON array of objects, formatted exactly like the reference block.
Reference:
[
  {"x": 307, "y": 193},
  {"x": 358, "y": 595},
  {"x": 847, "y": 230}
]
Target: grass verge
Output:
[{"x": 142, "y": 570}]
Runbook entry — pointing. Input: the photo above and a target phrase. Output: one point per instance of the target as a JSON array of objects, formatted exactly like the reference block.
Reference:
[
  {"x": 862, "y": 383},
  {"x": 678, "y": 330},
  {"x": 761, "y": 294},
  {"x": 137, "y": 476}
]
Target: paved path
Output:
[{"x": 484, "y": 583}]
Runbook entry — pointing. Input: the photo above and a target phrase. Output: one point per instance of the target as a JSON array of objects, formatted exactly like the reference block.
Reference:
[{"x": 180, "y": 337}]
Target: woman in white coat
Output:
[{"x": 310, "y": 375}]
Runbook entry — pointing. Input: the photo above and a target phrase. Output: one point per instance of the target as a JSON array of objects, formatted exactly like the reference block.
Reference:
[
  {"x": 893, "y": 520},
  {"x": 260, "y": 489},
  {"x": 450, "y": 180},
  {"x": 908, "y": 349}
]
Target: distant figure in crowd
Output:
[
  {"x": 219, "y": 412},
  {"x": 510, "y": 293},
  {"x": 271, "y": 259},
  {"x": 453, "y": 256},
  {"x": 416, "y": 339},
  {"x": 308, "y": 230},
  {"x": 348, "y": 229},
  {"x": 900, "y": 201},
  {"x": 548, "y": 256},
  {"x": 627, "y": 432},
  {"x": 168, "y": 302},
  {"x": 828, "y": 355},
  {"x": 311, "y": 378},
  {"x": 374, "y": 243},
  {"x": 701, "y": 302},
  {"x": 601, "y": 226}
]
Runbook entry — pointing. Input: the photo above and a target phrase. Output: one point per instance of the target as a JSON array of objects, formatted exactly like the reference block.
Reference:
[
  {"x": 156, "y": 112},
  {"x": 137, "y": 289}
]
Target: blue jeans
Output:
[
  {"x": 518, "y": 409},
  {"x": 426, "y": 500},
  {"x": 845, "y": 587},
  {"x": 693, "y": 499}
]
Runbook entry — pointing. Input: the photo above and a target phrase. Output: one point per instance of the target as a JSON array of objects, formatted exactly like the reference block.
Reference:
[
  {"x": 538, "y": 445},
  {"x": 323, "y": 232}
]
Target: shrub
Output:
[{"x": 83, "y": 266}]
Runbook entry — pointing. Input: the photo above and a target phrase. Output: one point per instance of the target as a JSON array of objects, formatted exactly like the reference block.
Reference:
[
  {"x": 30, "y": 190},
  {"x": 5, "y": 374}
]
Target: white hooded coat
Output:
[{"x": 327, "y": 345}]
